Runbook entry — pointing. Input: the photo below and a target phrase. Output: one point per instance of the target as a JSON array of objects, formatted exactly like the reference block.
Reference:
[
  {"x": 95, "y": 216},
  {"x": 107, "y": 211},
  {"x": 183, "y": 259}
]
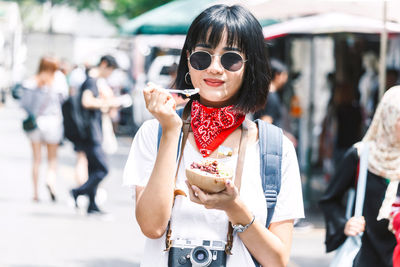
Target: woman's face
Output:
[{"x": 218, "y": 86}]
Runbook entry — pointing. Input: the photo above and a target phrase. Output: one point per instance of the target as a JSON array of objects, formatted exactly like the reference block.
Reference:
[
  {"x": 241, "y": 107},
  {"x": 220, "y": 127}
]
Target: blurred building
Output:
[
  {"x": 75, "y": 37},
  {"x": 12, "y": 50}
]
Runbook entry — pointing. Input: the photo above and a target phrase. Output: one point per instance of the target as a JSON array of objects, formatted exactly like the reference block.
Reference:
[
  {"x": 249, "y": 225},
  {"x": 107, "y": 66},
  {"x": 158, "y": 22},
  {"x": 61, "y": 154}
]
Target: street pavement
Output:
[{"x": 56, "y": 234}]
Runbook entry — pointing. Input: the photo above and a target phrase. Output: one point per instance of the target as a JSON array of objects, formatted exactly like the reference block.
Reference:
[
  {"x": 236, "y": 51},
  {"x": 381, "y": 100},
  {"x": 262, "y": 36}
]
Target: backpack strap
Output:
[{"x": 270, "y": 138}]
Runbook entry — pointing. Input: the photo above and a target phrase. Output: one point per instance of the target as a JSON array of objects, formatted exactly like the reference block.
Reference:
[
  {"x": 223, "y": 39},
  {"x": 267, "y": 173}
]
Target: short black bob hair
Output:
[{"x": 244, "y": 32}]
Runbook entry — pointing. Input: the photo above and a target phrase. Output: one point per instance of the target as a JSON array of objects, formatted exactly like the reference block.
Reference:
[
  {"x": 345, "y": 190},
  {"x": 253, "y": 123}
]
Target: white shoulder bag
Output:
[{"x": 346, "y": 253}]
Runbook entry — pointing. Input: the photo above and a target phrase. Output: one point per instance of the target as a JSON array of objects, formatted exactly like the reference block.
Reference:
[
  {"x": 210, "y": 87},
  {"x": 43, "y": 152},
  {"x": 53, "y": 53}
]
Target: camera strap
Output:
[
  {"x": 238, "y": 179},
  {"x": 186, "y": 128},
  {"x": 185, "y": 133}
]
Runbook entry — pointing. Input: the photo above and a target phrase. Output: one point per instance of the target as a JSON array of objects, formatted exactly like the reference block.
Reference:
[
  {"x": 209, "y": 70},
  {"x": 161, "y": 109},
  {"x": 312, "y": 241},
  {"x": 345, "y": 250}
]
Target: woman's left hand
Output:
[{"x": 221, "y": 201}]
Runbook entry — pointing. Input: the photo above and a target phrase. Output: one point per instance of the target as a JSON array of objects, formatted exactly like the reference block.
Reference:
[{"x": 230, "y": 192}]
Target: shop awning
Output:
[
  {"x": 172, "y": 18},
  {"x": 288, "y": 9},
  {"x": 329, "y": 23}
]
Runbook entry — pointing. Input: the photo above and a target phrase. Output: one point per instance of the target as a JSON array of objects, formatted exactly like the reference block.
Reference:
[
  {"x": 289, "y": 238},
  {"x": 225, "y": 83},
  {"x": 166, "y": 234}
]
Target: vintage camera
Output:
[{"x": 197, "y": 253}]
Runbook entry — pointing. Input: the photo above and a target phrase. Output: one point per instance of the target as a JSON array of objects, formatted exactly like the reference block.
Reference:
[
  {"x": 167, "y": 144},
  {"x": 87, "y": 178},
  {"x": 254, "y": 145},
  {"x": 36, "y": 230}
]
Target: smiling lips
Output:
[{"x": 214, "y": 82}]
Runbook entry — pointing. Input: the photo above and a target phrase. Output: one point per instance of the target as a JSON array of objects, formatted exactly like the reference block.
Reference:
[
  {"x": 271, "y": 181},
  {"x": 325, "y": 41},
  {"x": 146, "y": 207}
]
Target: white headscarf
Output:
[{"x": 384, "y": 155}]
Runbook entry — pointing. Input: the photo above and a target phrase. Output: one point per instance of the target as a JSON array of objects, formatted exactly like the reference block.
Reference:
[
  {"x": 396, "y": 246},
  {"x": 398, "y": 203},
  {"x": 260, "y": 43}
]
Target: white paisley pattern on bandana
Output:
[{"x": 211, "y": 126}]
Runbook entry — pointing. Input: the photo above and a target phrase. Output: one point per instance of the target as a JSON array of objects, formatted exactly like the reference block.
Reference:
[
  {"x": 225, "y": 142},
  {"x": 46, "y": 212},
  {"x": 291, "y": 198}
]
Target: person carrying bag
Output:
[
  {"x": 29, "y": 99},
  {"x": 383, "y": 174},
  {"x": 346, "y": 253},
  {"x": 42, "y": 98}
]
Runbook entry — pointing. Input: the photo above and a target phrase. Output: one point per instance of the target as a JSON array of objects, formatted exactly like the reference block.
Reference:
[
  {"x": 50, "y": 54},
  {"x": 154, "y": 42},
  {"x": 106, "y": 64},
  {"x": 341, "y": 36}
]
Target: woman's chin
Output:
[{"x": 215, "y": 101}]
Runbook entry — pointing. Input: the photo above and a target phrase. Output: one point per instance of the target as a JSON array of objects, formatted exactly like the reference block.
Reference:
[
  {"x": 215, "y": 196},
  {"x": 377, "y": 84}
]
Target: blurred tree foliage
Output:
[
  {"x": 116, "y": 11},
  {"x": 127, "y": 9}
]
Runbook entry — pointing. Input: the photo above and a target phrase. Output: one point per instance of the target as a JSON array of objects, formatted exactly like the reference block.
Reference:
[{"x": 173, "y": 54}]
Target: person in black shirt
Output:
[
  {"x": 275, "y": 111},
  {"x": 92, "y": 106}
]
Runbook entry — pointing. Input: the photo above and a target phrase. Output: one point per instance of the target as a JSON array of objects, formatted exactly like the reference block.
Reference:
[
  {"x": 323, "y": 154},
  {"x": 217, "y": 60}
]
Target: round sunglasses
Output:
[{"x": 231, "y": 61}]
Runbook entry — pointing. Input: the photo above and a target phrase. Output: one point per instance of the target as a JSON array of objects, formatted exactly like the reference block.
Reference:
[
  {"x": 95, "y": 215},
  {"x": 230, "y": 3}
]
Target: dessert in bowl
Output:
[{"x": 209, "y": 175}]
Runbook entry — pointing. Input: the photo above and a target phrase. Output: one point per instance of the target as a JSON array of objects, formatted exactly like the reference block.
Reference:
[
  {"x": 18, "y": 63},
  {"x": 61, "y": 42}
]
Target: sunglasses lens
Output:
[
  {"x": 200, "y": 60},
  {"x": 232, "y": 61}
]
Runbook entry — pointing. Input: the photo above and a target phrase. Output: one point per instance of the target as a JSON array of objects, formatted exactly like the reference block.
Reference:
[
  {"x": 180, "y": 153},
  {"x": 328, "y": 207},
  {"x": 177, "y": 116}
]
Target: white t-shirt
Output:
[{"x": 192, "y": 221}]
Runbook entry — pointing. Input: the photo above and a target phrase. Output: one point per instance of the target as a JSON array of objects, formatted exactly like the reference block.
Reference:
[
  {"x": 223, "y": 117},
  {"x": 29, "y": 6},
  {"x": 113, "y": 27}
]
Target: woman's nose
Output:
[{"x": 215, "y": 66}]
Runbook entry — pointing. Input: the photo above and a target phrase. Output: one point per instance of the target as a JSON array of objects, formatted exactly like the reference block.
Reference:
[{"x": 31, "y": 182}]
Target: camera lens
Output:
[{"x": 200, "y": 256}]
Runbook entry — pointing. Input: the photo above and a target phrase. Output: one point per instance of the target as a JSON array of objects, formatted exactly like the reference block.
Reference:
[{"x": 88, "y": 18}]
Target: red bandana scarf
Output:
[{"x": 211, "y": 126}]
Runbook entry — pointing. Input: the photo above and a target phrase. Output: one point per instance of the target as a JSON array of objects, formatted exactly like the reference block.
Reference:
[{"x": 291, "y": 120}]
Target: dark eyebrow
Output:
[
  {"x": 227, "y": 48},
  {"x": 232, "y": 49},
  {"x": 203, "y": 45}
]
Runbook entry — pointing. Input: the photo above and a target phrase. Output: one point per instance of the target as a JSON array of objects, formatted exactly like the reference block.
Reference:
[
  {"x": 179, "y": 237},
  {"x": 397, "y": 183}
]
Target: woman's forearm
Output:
[
  {"x": 264, "y": 245},
  {"x": 154, "y": 204}
]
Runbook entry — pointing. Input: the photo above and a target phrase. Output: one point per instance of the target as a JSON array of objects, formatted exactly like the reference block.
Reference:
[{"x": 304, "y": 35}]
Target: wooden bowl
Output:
[{"x": 206, "y": 181}]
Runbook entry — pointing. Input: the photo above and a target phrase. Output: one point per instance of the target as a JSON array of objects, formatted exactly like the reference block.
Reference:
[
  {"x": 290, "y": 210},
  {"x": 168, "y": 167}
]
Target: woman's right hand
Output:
[
  {"x": 354, "y": 226},
  {"x": 162, "y": 105}
]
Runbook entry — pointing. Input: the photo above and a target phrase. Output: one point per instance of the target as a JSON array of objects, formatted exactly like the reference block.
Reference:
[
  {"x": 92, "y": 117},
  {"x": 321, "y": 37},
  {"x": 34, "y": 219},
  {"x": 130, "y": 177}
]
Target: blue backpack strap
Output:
[
  {"x": 270, "y": 138},
  {"x": 179, "y": 112}
]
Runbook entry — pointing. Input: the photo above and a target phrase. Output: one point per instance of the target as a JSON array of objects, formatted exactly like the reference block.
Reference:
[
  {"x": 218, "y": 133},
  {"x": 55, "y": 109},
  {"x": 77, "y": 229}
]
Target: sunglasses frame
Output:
[{"x": 220, "y": 56}]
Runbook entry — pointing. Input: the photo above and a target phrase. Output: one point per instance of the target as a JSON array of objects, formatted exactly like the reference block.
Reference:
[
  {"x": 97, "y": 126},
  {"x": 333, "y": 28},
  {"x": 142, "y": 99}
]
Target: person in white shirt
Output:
[{"x": 224, "y": 55}]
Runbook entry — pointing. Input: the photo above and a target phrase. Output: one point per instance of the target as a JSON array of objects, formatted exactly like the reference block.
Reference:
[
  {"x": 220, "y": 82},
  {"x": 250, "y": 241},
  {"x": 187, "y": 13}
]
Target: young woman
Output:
[
  {"x": 224, "y": 55},
  {"x": 43, "y": 97},
  {"x": 383, "y": 174}
]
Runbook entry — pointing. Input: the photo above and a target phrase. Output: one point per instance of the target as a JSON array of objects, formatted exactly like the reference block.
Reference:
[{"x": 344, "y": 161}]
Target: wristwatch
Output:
[{"x": 238, "y": 228}]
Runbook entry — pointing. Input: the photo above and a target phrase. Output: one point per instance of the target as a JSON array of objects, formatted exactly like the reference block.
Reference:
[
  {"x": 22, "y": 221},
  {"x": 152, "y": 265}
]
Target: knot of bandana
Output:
[{"x": 211, "y": 126}]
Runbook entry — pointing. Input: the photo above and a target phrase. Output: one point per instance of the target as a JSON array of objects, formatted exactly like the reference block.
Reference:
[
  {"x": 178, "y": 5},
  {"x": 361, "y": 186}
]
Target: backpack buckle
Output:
[{"x": 271, "y": 197}]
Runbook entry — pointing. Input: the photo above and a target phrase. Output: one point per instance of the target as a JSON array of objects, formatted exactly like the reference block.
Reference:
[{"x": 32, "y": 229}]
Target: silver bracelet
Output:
[{"x": 238, "y": 228}]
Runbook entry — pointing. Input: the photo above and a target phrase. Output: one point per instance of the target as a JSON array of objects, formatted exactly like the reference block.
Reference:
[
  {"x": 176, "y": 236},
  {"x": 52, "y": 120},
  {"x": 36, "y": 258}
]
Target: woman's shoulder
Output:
[
  {"x": 352, "y": 152},
  {"x": 253, "y": 132},
  {"x": 148, "y": 129},
  {"x": 30, "y": 83},
  {"x": 287, "y": 145},
  {"x": 150, "y": 125}
]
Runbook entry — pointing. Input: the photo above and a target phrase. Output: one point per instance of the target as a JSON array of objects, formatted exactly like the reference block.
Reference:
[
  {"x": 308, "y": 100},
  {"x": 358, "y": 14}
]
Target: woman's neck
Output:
[
  {"x": 44, "y": 78},
  {"x": 272, "y": 88},
  {"x": 211, "y": 104}
]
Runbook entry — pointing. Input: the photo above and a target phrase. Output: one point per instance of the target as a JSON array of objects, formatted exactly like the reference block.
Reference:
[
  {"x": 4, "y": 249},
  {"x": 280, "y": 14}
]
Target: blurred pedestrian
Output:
[
  {"x": 383, "y": 137},
  {"x": 274, "y": 111},
  {"x": 76, "y": 78},
  {"x": 368, "y": 86},
  {"x": 92, "y": 106},
  {"x": 42, "y": 100}
]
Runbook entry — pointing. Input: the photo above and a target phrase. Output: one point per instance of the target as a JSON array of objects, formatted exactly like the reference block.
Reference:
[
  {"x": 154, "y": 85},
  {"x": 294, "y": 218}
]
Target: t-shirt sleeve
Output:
[
  {"x": 289, "y": 204},
  {"x": 90, "y": 84},
  {"x": 142, "y": 155}
]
